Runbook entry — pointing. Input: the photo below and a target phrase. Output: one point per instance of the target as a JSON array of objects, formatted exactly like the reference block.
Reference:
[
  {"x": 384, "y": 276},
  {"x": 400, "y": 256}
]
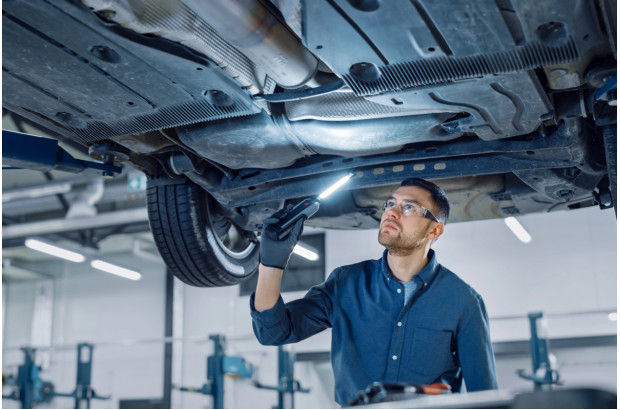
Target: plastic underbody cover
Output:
[
  {"x": 151, "y": 74},
  {"x": 437, "y": 75},
  {"x": 480, "y": 83}
]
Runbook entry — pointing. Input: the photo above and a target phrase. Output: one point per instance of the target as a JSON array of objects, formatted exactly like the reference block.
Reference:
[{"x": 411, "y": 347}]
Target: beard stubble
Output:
[{"x": 402, "y": 244}]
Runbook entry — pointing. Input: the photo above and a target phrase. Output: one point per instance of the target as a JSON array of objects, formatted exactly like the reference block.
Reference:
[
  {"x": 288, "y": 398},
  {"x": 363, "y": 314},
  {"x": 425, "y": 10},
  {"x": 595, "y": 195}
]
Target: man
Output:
[{"x": 401, "y": 318}]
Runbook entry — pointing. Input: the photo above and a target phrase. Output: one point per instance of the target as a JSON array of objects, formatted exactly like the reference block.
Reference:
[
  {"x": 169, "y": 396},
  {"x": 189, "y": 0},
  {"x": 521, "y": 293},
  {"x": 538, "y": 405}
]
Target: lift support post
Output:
[
  {"x": 219, "y": 365},
  {"x": 30, "y": 389},
  {"x": 287, "y": 385},
  {"x": 542, "y": 372}
]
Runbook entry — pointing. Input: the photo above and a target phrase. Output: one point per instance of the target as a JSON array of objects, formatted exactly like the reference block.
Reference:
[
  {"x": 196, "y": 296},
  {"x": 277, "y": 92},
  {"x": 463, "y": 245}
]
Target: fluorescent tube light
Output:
[
  {"x": 613, "y": 316},
  {"x": 36, "y": 192},
  {"x": 518, "y": 229},
  {"x": 305, "y": 253},
  {"x": 334, "y": 187},
  {"x": 54, "y": 250},
  {"x": 115, "y": 270}
]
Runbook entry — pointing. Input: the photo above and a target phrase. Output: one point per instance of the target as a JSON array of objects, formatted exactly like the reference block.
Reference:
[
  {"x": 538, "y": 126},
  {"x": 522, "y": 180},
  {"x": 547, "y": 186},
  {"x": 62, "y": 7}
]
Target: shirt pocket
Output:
[{"x": 430, "y": 355}]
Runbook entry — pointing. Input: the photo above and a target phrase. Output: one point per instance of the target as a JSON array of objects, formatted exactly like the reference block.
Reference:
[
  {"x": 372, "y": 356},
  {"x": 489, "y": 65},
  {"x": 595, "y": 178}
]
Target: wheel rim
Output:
[{"x": 231, "y": 239}]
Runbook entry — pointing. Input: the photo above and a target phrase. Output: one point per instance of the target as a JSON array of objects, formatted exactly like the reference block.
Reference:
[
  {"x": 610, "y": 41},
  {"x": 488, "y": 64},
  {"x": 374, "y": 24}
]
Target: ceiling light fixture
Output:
[
  {"x": 115, "y": 269},
  {"x": 305, "y": 253},
  {"x": 613, "y": 316},
  {"x": 518, "y": 229},
  {"x": 36, "y": 192},
  {"x": 54, "y": 250}
]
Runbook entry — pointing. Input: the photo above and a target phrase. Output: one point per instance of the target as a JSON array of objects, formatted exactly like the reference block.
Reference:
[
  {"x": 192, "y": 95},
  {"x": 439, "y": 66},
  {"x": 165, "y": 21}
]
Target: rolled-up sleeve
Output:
[
  {"x": 475, "y": 350},
  {"x": 293, "y": 321}
]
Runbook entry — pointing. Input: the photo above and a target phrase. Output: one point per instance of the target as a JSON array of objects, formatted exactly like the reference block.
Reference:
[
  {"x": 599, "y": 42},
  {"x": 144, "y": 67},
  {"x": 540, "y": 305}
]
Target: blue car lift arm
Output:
[
  {"x": 218, "y": 365},
  {"x": 83, "y": 391},
  {"x": 27, "y": 151},
  {"x": 30, "y": 389},
  {"x": 542, "y": 372},
  {"x": 287, "y": 385}
]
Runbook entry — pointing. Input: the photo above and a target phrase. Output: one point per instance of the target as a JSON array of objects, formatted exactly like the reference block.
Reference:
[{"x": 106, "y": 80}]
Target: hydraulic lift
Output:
[
  {"x": 543, "y": 373},
  {"x": 287, "y": 385},
  {"x": 27, "y": 151},
  {"x": 30, "y": 389},
  {"x": 219, "y": 365}
]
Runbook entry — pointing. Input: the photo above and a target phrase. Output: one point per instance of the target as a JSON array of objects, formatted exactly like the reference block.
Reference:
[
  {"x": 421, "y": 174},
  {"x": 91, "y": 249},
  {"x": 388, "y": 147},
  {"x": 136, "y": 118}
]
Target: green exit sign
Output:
[{"x": 136, "y": 182}]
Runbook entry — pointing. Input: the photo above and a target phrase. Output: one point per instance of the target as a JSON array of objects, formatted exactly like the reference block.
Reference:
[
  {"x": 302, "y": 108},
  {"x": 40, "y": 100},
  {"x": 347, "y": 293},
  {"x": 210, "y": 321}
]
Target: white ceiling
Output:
[{"x": 19, "y": 261}]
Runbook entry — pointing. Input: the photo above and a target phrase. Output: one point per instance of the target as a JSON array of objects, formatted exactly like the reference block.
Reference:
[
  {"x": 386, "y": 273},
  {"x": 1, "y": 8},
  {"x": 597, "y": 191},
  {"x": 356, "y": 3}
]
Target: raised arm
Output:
[
  {"x": 267, "y": 288},
  {"x": 274, "y": 256}
]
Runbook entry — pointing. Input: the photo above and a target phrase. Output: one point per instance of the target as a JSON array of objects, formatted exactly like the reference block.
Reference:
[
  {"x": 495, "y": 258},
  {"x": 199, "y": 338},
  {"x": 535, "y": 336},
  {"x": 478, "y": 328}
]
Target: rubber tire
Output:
[
  {"x": 179, "y": 219},
  {"x": 610, "y": 138}
]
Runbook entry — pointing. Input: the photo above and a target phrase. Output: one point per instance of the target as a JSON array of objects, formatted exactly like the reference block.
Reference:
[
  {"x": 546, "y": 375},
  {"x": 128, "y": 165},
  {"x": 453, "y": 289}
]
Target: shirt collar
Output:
[{"x": 426, "y": 275}]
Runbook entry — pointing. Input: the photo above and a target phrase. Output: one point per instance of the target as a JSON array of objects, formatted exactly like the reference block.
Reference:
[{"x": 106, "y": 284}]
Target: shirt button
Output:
[
  {"x": 398, "y": 290},
  {"x": 399, "y": 324},
  {"x": 394, "y": 357}
]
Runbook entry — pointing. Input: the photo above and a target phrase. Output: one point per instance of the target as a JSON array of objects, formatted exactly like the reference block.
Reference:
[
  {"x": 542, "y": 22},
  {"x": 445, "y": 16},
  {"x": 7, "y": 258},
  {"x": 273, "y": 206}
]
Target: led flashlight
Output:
[{"x": 305, "y": 209}]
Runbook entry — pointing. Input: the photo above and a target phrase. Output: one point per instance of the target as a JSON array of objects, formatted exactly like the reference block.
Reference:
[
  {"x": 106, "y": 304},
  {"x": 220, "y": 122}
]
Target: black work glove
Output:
[{"x": 273, "y": 252}]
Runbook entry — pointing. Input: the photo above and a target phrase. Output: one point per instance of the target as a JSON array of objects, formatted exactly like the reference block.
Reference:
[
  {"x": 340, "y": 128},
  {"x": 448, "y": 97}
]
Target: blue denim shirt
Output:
[{"x": 440, "y": 335}]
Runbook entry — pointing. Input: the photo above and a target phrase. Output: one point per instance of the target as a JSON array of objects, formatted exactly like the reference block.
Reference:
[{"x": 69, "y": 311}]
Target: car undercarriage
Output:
[{"x": 234, "y": 109}]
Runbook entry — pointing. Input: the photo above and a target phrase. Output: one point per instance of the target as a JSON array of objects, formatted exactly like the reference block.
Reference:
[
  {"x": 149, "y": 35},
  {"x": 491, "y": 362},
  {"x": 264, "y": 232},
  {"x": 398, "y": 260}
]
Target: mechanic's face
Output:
[{"x": 401, "y": 234}]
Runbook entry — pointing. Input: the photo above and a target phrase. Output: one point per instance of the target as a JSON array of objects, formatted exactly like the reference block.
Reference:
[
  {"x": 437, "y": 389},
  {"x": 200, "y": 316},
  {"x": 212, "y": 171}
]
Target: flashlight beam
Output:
[{"x": 334, "y": 187}]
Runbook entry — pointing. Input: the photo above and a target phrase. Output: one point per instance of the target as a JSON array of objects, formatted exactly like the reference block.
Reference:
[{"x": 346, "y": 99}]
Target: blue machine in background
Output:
[
  {"x": 30, "y": 389},
  {"x": 287, "y": 385},
  {"x": 542, "y": 372},
  {"x": 218, "y": 365}
]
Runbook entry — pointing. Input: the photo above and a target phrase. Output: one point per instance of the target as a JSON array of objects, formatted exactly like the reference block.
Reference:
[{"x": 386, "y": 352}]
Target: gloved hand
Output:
[{"x": 273, "y": 252}]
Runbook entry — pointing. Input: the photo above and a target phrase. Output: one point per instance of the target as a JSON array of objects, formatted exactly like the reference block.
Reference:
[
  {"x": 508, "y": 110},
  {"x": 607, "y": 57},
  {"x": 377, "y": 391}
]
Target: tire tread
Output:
[{"x": 177, "y": 225}]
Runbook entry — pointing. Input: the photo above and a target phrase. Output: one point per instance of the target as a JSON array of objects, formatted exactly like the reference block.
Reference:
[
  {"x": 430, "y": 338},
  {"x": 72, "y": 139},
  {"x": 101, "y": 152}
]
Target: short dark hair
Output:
[{"x": 439, "y": 197}]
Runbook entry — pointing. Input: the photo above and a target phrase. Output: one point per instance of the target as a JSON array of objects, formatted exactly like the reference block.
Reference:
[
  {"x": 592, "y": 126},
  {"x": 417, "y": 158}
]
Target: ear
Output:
[{"x": 436, "y": 232}]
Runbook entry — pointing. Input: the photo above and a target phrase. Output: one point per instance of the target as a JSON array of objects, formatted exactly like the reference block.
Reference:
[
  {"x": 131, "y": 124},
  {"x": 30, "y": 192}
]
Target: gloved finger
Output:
[
  {"x": 269, "y": 234},
  {"x": 298, "y": 228},
  {"x": 282, "y": 212},
  {"x": 269, "y": 221},
  {"x": 279, "y": 214}
]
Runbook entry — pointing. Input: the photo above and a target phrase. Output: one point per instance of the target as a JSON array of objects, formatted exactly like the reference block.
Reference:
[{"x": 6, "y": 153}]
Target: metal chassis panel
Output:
[{"x": 432, "y": 161}]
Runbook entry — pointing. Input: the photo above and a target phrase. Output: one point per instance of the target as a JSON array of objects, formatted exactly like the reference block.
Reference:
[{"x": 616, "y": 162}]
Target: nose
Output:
[{"x": 392, "y": 212}]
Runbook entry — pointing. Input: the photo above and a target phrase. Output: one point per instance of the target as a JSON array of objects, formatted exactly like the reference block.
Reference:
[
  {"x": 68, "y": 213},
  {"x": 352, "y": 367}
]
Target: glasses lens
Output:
[
  {"x": 409, "y": 209},
  {"x": 388, "y": 204}
]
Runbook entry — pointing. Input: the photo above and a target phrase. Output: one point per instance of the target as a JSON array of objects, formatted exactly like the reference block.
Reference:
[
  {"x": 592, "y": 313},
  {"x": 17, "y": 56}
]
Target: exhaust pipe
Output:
[{"x": 250, "y": 27}]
